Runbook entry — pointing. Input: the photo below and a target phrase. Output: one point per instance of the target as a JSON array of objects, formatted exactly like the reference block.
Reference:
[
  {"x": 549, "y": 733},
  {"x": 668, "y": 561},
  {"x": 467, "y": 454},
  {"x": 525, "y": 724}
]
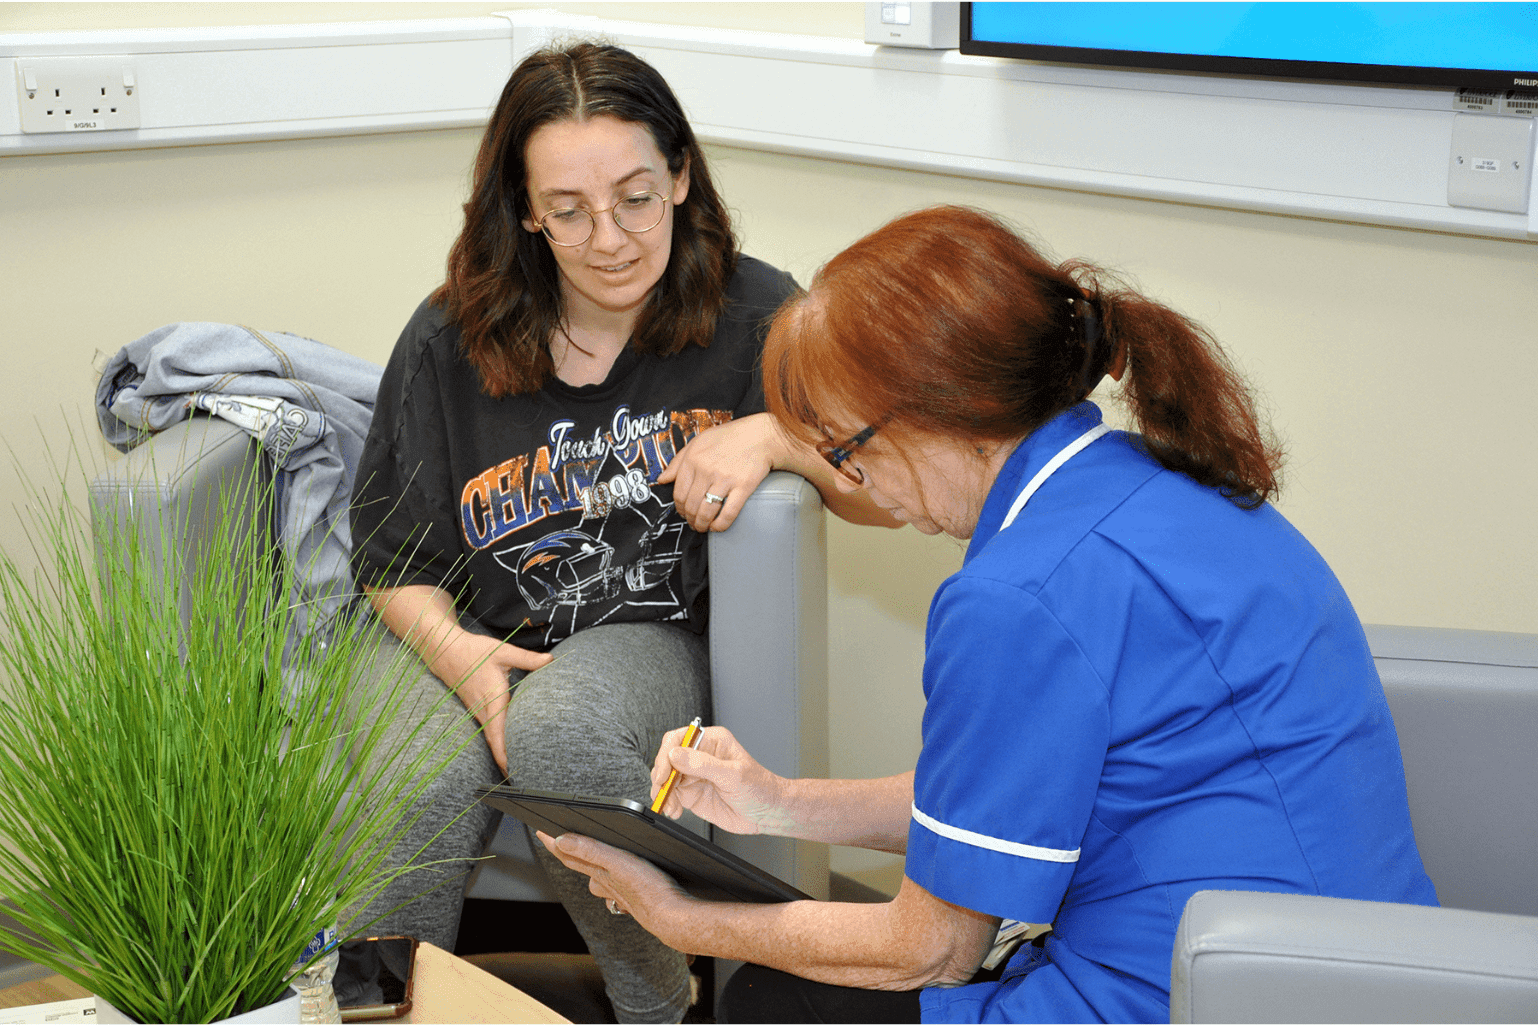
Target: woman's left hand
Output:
[
  {"x": 631, "y": 885},
  {"x": 716, "y": 472}
]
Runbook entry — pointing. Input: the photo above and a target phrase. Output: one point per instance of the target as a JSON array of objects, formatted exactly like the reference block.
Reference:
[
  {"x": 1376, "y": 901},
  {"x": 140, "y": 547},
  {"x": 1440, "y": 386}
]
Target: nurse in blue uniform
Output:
[{"x": 1143, "y": 682}]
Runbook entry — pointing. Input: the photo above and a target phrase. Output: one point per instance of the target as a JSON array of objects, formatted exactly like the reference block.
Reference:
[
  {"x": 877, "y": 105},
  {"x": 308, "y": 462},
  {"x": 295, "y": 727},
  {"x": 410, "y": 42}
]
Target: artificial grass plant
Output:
[{"x": 174, "y": 827}]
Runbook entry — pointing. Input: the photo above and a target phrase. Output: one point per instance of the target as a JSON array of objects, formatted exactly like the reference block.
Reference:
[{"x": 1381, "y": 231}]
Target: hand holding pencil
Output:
[{"x": 708, "y": 772}]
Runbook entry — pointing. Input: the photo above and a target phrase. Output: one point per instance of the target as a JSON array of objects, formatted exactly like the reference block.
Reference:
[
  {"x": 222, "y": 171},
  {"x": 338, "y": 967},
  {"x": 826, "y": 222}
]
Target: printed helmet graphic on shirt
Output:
[
  {"x": 662, "y": 546},
  {"x": 564, "y": 568}
]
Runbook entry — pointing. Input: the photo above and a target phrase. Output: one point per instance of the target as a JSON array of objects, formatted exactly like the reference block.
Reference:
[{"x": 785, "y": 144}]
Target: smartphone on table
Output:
[{"x": 374, "y": 977}]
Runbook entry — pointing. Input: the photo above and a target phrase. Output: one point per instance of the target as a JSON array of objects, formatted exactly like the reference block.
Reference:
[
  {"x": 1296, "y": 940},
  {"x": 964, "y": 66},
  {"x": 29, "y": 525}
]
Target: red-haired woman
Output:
[
  {"x": 1142, "y": 683},
  {"x": 581, "y": 392}
]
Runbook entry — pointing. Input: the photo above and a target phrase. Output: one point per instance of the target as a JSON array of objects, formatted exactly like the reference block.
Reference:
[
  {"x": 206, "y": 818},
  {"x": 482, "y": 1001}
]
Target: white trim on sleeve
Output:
[{"x": 992, "y": 843}]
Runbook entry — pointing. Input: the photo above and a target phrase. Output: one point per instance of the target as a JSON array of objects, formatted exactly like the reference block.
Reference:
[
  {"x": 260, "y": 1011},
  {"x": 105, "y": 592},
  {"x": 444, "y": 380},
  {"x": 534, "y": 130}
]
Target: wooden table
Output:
[{"x": 447, "y": 989}]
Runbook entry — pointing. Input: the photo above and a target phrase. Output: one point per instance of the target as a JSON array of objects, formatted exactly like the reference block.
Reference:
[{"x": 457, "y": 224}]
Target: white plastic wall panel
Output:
[
  {"x": 1359, "y": 153},
  {"x": 1345, "y": 152},
  {"x": 228, "y": 85}
]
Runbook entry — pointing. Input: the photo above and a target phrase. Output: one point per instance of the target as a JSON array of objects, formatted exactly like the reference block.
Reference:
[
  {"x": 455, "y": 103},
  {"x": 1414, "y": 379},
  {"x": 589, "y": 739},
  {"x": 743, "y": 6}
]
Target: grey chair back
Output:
[
  {"x": 1465, "y": 704},
  {"x": 769, "y": 644}
]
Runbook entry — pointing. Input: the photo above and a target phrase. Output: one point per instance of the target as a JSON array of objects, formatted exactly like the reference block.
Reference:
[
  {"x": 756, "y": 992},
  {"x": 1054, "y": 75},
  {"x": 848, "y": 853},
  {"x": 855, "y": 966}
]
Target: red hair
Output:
[{"x": 946, "y": 322}]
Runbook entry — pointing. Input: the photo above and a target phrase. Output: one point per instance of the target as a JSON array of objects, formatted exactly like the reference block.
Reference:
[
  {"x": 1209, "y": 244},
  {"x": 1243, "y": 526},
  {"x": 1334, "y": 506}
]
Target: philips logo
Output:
[{"x": 1524, "y": 81}]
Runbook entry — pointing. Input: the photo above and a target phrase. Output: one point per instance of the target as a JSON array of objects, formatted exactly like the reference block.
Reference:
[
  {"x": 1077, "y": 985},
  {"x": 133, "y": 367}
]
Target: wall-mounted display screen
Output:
[{"x": 1469, "y": 45}]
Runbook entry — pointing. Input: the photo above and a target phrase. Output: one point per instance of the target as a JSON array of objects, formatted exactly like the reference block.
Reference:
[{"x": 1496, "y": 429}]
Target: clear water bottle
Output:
[{"x": 317, "y": 998}]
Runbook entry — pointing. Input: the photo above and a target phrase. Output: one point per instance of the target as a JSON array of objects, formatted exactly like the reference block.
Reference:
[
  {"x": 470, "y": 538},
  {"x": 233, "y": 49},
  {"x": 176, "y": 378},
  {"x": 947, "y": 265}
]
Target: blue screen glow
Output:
[{"x": 1494, "y": 36}]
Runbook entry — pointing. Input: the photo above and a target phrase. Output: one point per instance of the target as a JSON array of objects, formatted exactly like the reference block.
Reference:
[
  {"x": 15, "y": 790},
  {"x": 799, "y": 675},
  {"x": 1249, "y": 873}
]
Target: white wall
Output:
[{"x": 1394, "y": 362}]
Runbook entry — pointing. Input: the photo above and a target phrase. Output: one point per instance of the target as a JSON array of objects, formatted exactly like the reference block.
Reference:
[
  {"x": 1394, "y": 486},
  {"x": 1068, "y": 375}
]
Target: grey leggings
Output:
[{"x": 590, "y": 722}]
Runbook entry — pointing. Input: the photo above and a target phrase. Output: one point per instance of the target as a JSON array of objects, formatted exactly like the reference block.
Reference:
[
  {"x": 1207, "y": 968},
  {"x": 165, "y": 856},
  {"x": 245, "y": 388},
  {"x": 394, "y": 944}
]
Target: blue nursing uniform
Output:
[{"x": 1138, "y": 690}]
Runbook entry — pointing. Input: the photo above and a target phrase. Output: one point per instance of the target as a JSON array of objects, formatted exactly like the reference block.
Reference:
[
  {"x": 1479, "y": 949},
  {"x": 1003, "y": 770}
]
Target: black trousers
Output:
[{"x": 758, "y": 994}]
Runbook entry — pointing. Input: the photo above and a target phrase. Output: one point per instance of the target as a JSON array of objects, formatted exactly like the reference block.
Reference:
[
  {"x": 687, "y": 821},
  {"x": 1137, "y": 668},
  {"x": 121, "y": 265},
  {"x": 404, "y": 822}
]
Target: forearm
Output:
[
  {"x": 910, "y": 942},
  {"x": 425, "y": 619},
  {"x": 868, "y": 813},
  {"x": 914, "y": 940}
]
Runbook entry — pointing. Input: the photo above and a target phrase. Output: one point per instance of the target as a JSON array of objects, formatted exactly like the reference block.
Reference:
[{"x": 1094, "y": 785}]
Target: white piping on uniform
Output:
[
  {"x": 992, "y": 843},
  {"x": 1069, "y": 451},
  {"x": 966, "y": 836}
]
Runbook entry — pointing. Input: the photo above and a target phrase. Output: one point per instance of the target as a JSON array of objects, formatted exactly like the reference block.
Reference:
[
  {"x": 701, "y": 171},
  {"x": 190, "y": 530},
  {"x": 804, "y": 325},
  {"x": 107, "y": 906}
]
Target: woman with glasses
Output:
[
  {"x": 1143, "y": 682},
  {"x": 558, "y": 422}
]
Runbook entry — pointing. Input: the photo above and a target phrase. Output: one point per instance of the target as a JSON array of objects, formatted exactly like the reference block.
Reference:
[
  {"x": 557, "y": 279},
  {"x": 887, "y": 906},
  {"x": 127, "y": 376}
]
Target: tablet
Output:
[{"x": 700, "y": 867}]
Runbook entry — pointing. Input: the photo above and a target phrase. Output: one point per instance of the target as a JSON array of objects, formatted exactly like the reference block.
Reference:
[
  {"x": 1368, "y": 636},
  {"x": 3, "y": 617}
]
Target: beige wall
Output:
[{"x": 1394, "y": 363}]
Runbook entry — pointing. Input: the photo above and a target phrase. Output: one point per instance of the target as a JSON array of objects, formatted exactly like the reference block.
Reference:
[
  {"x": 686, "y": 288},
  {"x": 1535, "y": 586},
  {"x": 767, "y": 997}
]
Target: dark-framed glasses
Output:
[
  {"x": 838, "y": 454},
  {"x": 572, "y": 226}
]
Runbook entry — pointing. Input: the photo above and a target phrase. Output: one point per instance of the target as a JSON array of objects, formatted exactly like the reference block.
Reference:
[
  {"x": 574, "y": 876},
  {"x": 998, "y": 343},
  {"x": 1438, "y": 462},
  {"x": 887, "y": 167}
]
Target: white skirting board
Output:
[{"x": 1373, "y": 154}]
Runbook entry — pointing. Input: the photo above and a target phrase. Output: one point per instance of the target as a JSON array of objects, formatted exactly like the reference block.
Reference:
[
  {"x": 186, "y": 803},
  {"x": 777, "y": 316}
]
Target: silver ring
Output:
[
  {"x": 713, "y": 498},
  {"x": 613, "y": 907}
]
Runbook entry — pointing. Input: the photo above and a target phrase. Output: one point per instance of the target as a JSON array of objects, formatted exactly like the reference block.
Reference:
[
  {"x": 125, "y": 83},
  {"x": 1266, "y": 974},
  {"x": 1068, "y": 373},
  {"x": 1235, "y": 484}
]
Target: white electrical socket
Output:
[{"x": 77, "y": 94}]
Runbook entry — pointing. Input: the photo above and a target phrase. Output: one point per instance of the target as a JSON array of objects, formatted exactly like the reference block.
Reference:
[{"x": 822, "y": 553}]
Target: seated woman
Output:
[
  {"x": 557, "y": 425},
  {"x": 1143, "y": 682}
]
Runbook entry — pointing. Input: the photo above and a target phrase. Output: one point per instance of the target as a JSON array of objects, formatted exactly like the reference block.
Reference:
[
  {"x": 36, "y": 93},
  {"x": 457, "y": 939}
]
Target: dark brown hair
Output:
[
  {"x": 503, "y": 289},
  {"x": 946, "y": 322}
]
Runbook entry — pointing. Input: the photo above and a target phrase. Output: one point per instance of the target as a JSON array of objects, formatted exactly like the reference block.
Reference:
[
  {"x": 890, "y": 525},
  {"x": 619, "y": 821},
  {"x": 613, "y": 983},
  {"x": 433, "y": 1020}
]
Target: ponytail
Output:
[
  {"x": 947, "y": 322},
  {"x": 1194, "y": 410}
]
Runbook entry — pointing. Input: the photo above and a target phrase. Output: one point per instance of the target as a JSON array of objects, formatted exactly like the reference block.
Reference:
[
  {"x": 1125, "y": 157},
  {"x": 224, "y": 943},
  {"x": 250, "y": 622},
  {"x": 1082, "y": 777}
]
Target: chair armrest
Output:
[
  {"x": 769, "y": 653},
  {"x": 166, "y": 494},
  {"x": 1266, "y": 957}
]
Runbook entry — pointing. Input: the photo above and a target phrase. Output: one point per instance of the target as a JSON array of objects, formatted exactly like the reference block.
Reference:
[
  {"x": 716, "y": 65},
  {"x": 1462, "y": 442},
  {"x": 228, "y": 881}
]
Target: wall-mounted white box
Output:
[
  {"x": 928, "y": 26},
  {"x": 1491, "y": 163}
]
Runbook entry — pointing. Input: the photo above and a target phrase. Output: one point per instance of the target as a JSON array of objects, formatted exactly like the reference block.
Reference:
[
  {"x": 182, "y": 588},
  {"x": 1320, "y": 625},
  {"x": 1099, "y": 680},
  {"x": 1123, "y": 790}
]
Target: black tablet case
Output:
[{"x": 702, "y": 868}]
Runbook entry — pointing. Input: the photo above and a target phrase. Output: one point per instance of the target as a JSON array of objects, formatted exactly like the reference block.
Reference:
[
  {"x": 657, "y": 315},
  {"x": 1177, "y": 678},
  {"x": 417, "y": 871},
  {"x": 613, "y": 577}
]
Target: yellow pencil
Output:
[{"x": 691, "y": 739}]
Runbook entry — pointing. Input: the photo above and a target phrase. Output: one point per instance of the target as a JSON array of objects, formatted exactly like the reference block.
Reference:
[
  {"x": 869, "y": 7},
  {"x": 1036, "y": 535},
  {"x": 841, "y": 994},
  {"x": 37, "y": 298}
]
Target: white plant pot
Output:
[{"x": 284, "y": 1012}]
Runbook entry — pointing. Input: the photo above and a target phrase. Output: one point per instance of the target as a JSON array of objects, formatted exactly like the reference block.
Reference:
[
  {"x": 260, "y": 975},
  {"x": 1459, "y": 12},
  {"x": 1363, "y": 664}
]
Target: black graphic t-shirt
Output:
[{"x": 541, "y": 513}]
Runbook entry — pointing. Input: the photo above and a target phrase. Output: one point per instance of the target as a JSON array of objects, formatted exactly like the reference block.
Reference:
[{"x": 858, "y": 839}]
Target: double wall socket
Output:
[{"x": 77, "y": 94}]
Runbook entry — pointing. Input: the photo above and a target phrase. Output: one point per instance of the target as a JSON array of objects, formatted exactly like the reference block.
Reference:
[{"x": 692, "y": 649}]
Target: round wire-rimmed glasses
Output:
[
  {"x": 838, "y": 455},
  {"x": 572, "y": 225}
]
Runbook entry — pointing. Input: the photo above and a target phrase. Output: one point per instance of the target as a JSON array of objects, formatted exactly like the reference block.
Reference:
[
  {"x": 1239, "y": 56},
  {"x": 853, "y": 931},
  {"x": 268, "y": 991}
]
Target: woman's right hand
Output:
[
  {"x": 472, "y": 665},
  {"x": 483, "y": 664},
  {"x": 721, "y": 783}
]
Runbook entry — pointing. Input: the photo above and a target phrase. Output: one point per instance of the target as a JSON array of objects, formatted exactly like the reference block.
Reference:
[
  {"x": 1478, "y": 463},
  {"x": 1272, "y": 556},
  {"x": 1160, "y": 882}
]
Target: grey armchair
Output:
[
  {"x": 768, "y": 634},
  {"x": 1465, "y": 704}
]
